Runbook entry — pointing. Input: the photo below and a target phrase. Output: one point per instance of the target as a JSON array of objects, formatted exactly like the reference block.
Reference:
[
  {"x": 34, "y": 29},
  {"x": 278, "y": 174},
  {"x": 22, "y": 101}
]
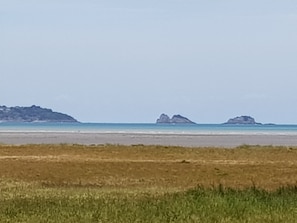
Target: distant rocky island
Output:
[
  {"x": 176, "y": 119},
  {"x": 242, "y": 120},
  {"x": 32, "y": 114}
]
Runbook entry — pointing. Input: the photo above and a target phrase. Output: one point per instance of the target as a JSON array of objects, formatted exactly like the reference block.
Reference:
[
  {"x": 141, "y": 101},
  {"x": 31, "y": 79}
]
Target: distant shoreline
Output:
[{"x": 186, "y": 140}]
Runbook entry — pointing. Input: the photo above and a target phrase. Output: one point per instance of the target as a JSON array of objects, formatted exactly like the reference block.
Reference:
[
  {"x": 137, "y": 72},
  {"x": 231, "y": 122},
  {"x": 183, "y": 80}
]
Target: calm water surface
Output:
[{"x": 149, "y": 128}]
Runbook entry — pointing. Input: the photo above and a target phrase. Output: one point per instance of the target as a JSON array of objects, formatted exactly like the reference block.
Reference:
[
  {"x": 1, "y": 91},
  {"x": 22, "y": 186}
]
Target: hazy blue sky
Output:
[{"x": 130, "y": 61}]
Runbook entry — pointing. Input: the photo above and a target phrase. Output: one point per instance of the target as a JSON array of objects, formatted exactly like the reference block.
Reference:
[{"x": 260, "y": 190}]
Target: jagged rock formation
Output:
[
  {"x": 164, "y": 119},
  {"x": 32, "y": 114},
  {"x": 176, "y": 119},
  {"x": 242, "y": 120},
  {"x": 180, "y": 119}
]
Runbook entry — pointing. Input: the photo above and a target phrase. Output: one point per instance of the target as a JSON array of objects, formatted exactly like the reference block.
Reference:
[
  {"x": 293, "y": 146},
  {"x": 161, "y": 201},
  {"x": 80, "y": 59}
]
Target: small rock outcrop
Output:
[
  {"x": 242, "y": 120},
  {"x": 176, "y": 119},
  {"x": 32, "y": 114},
  {"x": 164, "y": 119}
]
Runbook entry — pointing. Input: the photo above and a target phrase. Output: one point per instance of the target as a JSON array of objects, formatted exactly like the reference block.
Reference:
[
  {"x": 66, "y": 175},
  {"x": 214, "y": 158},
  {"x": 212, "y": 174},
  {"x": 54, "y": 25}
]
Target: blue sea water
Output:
[{"x": 199, "y": 129}]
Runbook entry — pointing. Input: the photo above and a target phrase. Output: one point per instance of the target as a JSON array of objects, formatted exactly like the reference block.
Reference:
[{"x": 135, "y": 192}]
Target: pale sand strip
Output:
[{"x": 18, "y": 138}]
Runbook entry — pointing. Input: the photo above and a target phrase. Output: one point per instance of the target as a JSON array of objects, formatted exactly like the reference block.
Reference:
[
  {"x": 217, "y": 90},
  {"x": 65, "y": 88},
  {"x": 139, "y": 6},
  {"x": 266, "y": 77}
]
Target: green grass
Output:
[
  {"x": 75, "y": 183},
  {"x": 22, "y": 203}
]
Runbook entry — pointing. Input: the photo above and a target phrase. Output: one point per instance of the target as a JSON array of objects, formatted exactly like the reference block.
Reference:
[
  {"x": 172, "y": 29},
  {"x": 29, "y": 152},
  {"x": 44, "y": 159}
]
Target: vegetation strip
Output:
[{"x": 114, "y": 183}]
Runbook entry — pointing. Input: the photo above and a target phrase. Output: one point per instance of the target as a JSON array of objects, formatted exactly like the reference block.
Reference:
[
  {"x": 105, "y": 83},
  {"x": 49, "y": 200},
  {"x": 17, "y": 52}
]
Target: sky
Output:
[{"x": 117, "y": 61}]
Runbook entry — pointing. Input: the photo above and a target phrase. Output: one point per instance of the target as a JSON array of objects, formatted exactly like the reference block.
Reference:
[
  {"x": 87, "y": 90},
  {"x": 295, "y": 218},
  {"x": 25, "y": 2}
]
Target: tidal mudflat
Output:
[{"x": 188, "y": 140}]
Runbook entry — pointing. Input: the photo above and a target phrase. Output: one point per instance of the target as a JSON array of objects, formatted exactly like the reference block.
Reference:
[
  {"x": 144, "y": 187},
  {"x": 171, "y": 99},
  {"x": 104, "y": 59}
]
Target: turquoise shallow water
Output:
[{"x": 149, "y": 128}]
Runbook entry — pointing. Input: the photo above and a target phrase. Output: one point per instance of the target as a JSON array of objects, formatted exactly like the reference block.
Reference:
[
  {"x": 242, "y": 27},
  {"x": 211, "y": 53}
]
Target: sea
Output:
[{"x": 198, "y": 129}]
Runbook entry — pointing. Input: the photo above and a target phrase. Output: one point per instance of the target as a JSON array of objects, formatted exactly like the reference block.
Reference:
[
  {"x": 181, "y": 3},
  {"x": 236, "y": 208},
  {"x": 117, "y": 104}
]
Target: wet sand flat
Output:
[{"x": 213, "y": 140}]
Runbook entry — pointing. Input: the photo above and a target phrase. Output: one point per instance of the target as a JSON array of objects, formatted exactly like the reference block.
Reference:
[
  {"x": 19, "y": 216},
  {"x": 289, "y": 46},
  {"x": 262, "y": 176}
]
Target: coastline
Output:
[{"x": 186, "y": 140}]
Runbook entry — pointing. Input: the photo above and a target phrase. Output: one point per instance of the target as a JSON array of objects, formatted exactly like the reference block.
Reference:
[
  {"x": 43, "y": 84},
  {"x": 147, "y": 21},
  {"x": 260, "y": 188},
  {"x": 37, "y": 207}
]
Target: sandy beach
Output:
[{"x": 228, "y": 140}]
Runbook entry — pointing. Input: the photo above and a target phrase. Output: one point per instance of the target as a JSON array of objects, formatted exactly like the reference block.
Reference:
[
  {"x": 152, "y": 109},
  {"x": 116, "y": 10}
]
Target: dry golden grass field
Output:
[{"x": 148, "y": 167}]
